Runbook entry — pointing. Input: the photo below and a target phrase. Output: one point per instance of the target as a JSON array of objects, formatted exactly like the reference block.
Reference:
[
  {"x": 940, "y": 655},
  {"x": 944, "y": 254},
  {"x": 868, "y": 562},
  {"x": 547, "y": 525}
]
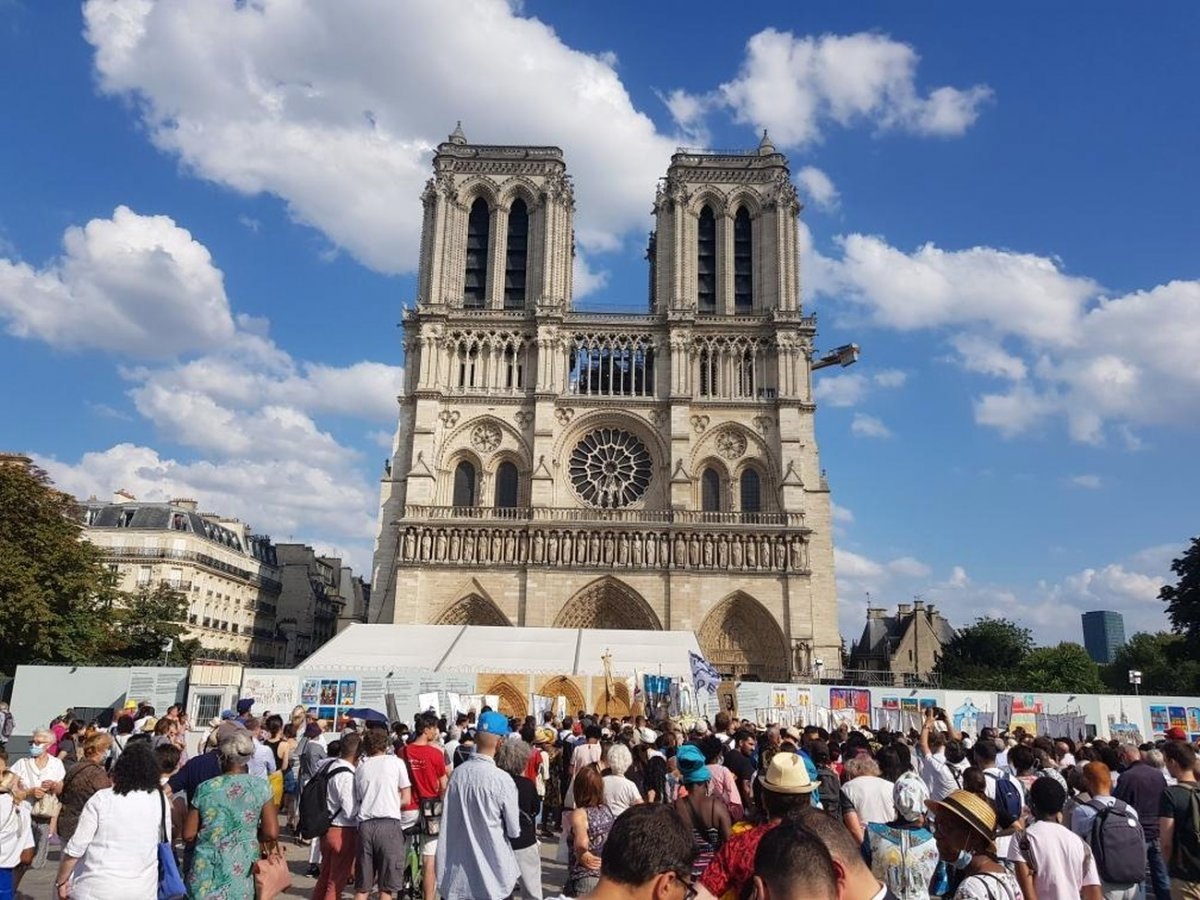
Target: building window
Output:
[
  {"x": 507, "y": 486},
  {"x": 751, "y": 492},
  {"x": 468, "y": 359},
  {"x": 710, "y": 491},
  {"x": 708, "y": 373},
  {"x": 614, "y": 365},
  {"x": 743, "y": 278},
  {"x": 143, "y": 575},
  {"x": 706, "y": 262},
  {"x": 208, "y": 706},
  {"x": 478, "y": 225},
  {"x": 464, "y": 484},
  {"x": 515, "y": 256},
  {"x": 745, "y": 373},
  {"x": 514, "y": 377}
]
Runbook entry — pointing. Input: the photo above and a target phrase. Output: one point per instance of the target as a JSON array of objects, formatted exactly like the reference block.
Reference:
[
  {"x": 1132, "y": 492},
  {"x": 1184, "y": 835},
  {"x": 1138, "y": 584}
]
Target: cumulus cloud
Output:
[
  {"x": 869, "y": 427},
  {"x": 851, "y": 388},
  {"x": 817, "y": 187},
  {"x": 795, "y": 86},
  {"x": 131, "y": 284},
  {"x": 301, "y": 101},
  {"x": 1089, "y": 482}
]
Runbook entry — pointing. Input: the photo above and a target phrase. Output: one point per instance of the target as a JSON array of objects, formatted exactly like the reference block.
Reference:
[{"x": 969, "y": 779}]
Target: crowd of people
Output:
[{"x": 458, "y": 808}]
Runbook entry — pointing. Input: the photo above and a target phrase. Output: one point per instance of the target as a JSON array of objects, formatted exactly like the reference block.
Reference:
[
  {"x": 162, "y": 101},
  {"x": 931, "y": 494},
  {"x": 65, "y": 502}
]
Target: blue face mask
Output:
[
  {"x": 36, "y": 750},
  {"x": 964, "y": 860}
]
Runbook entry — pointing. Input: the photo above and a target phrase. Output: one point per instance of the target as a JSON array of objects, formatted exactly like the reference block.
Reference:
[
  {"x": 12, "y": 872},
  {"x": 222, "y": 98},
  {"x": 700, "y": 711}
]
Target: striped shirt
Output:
[{"x": 474, "y": 858}]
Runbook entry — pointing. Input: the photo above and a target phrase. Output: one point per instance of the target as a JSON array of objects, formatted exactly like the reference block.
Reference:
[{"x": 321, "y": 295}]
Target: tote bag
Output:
[{"x": 170, "y": 882}]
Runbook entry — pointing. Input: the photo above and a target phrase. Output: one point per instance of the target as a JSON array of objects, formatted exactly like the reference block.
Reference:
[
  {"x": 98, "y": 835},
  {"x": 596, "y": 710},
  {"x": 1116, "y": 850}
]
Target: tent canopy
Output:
[{"x": 499, "y": 648}]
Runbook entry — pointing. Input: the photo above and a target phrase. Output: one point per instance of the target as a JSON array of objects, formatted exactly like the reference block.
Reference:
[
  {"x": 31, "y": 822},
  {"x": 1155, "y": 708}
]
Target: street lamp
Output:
[
  {"x": 846, "y": 355},
  {"x": 818, "y": 667},
  {"x": 1135, "y": 678}
]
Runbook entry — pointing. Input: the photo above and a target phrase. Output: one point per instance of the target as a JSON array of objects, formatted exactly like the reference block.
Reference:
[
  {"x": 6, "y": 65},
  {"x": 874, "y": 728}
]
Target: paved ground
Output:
[{"x": 39, "y": 883}]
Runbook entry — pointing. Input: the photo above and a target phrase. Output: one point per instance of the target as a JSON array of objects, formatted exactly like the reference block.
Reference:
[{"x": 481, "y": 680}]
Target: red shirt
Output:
[
  {"x": 426, "y": 766},
  {"x": 733, "y": 866},
  {"x": 531, "y": 767}
]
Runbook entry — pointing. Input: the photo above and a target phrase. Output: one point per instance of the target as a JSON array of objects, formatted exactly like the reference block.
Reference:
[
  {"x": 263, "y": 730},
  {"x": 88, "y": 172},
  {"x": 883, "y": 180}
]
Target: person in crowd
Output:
[
  {"x": 965, "y": 831},
  {"x": 786, "y": 787},
  {"x": 739, "y": 759},
  {"x": 85, "y": 778},
  {"x": 653, "y": 763},
  {"x": 262, "y": 764},
  {"x": 339, "y": 843},
  {"x": 170, "y": 758},
  {"x": 649, "y": 857},
  {"x": 1052, "y": 862},
  {"x": 984, "y": 755},
  {"x": 705, "y": 814},
  {"x": 855, "y": 880},
  {"x": 903, "y": 853},
  {"x": 586, "y": 831},
  {"x": 7, "y": 724},
  {"x": 512, "y": 756},
  {"x": 939, "y": 775},
  {"x": 619, "y": 792},
  {"x": 791, "y": 863},
  {"x": 866, "y": 796},
  {"x": 721, "y": 781},
  {"x": 547, "y": 738},
  {"x": 1098, "y": 787},
  {"x": 829, "y": 781},
  {"x": 113, "y": 850},
  {"x": 1141, "y": 786},
  {"x": 70, "y": 745},
  {"x": 382, "y": 788},
  {"x": 428, "y": 774},
  {"x": 40, "y": 778},
  {"x": 1177, "y": 831},
  {"x": 16, "y": 831},
  {"x": 475, "y": 860},
  {"x": 229, "y": 816}
]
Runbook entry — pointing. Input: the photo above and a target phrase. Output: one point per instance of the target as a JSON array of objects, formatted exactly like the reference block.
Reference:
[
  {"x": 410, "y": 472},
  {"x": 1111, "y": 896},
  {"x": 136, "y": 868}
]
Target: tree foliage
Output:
[
  {"x": 985, "y": 655},
  {"x": 1183, "y": 597},
  {"x": 145, "y": 621},
  {"x": 1166, "y": 664},
  {"x": 1065, "y": 669},
  {"x": 54, "y": 587}
]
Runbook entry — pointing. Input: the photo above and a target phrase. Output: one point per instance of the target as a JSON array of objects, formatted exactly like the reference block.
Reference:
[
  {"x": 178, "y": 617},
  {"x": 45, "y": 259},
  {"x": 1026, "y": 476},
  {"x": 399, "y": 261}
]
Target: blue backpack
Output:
[{"x": 1006, "y": 801}]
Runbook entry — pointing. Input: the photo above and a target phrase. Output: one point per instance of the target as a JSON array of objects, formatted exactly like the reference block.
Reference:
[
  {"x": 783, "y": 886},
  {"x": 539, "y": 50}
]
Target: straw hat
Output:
[
  {"x": 971, "y": 809},
  {"x": 545, "y": 736},
  {"x": 787, "y": 774}
]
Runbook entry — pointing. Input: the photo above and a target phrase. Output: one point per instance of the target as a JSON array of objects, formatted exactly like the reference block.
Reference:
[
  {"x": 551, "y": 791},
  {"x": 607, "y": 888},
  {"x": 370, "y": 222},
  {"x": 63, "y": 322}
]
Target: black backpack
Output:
[
  {"x": 315, "y": 816},
  {"x": 1007, "y": 801},
  {"x": 1117, "y": 843}
]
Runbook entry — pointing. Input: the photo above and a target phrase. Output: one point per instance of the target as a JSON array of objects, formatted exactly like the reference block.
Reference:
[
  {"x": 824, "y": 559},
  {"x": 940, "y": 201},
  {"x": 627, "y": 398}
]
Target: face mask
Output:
[
  {"x": 964, "y": 860},
  {"x": 36, "y": 750}
]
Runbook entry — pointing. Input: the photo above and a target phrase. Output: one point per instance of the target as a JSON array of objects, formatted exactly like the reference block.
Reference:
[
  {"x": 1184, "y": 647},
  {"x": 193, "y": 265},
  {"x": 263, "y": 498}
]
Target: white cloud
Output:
[
  {"x": 908, "y": 567},
  {"x": 958, "y": 578},
  {"x": 890, "y": 378},
  {"x": 818, "y": 187},
  {"x": 986, "y": 356},
  {"x": 584, "y": 279},
  {"x": 1089, "y": 482},
  {"x": 796, "y": 86},
  {"x": 840, "y": 390},
  {"x": 301, "y": 100},
  {"x": 131, "y": 284},
  {"x": 869, "y": 427},
  {"x": 842, "y": 515}
]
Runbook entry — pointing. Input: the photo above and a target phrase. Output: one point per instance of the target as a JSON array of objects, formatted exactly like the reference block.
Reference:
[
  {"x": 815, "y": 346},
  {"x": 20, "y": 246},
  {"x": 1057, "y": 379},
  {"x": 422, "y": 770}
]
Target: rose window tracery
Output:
[
  {"x": 731, "y": 444},
  {"x": 610, "y": 468},
  {"x": 486, "y": 437}
]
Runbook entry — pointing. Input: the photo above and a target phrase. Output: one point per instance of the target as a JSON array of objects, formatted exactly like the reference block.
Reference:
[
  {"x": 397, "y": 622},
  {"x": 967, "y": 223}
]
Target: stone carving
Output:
[
  {"x": 731, "y": 443},
  {"x": 656, "y": 417},
  {"x": 472, "y": 610},
  {"x": 449, "y": 417},
  {"x": 699, "y": 423},
  {"x": 564, "y": 415},
  {"x": 609, "y": 468},
  {"x": 486, "y": 437},
  {"x": 763, "y": 423},
  {"x": 740, "y": 636},
  {"x": 607, "y": 604},
  {"x": 523, "y": 418}
]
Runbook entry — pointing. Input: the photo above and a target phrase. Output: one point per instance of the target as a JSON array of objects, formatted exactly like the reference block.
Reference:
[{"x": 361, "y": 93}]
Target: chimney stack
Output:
[
  {"x": 904, "y": 609},
  {"x": 919, "y": 605},
  {"x": 874, "y": 613},
  {"x": 185, "y": 503}
]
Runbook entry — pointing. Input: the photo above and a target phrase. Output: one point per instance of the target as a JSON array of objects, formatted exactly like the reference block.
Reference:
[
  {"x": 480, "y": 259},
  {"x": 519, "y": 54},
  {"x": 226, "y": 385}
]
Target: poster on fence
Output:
[{"x": 856, "y": 700}]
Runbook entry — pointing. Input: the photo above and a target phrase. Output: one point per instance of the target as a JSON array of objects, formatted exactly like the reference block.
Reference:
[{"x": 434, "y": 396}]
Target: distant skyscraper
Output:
[{"x": 1103, "y": 634}]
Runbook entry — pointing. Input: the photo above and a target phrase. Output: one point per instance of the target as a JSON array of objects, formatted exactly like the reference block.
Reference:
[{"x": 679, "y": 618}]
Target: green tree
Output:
[
  {"x": 143, "y": 623},
  {"x": 1183, "y": 597},
  {"x": 1166, "y": 665},
  {"x": 53, "y": 586},
  {"x": 985, "y": 655},
  {"x": 1065, "y": 669}
]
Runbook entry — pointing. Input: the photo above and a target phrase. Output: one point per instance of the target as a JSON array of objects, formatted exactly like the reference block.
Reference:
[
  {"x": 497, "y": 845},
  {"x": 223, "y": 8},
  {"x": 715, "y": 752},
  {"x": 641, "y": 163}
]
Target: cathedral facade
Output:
[{"x": 555, "y": 467}]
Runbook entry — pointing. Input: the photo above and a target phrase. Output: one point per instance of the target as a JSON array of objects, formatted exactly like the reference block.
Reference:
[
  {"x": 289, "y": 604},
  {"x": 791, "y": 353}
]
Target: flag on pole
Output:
[{"x": 704, "y": 676}]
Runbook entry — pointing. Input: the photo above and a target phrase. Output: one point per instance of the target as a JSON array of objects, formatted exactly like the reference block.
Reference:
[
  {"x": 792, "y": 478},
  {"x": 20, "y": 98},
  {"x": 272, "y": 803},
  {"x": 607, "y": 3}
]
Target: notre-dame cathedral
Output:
[{"x": 556, "y": 467}]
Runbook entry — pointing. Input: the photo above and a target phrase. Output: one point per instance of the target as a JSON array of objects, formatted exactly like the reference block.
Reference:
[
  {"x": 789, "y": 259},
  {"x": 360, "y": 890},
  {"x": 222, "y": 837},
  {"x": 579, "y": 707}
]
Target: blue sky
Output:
[{"x": 209, "y": 214}]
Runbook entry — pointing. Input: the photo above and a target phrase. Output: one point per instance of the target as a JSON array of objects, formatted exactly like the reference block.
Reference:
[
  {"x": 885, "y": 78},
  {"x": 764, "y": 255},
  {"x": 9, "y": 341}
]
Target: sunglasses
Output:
[{"x": 690, "y": 891}]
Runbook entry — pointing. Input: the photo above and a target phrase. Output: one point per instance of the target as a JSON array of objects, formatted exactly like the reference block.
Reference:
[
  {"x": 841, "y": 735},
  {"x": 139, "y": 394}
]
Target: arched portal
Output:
[
  {"x": 739, "y": 637},
  {"x": 512, "y": 701},
  {"x": 565, "y": 687},
  {"x": 608, "y": 603},
  {"x": 472, "y": 610}
]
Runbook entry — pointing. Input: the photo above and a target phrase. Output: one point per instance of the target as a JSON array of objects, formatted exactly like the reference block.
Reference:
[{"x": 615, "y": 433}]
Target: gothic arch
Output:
[
  {"x": 757, "y": 452},
  {"x": 607, "y": 603},
  {"x": 479, "y": 186},
  {"x": 472, "y": 610},
  {"x": 740, "y": 637},
  {"x": 563, "y": 685},
  {"x": 746, "y": 198},
  {"x": 512, "y": 701},
  {"x": 524, "y": 188},
  {"x": 460, "y": 442},
  {"x": 709, "y": 196}
]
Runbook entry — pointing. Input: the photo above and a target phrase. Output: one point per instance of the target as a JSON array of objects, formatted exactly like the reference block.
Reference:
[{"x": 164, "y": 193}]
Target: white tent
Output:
[{"x": 497, "y": 648}]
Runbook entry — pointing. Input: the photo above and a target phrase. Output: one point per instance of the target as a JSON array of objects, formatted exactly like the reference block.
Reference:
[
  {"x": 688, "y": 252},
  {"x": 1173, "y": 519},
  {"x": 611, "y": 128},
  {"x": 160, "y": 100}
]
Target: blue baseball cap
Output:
[{"x": 493, "y": 723}]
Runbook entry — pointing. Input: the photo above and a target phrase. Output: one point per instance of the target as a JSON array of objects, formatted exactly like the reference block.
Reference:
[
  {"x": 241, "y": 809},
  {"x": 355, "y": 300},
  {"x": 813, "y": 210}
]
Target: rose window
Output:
[{"x": 610, "y": 467}]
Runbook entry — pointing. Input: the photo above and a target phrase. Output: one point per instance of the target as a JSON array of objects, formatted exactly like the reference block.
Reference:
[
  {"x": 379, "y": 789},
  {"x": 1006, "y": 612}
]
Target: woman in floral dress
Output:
[{"x": 230, "y": 815}]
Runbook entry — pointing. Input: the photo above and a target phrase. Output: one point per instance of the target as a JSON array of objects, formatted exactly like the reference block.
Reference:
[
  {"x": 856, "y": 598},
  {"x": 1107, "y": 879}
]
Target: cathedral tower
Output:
[{"x": 556, "y": 467}]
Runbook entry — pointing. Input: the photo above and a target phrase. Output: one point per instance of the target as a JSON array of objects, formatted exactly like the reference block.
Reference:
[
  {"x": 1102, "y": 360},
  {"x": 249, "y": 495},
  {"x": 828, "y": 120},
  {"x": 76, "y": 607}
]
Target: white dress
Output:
[{"x": 116, "y": 843}]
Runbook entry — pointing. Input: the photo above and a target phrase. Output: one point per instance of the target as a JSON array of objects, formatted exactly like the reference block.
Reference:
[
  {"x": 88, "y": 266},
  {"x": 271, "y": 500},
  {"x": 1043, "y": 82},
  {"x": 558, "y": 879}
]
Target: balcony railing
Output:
[
  {"x": 414, "y": 512},
  {"x": 270, "y": 585}
]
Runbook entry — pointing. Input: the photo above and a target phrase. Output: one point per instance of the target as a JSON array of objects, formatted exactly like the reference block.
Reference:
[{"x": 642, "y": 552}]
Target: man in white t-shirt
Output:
[
  {"x": 1051, "y": 861},
  {"x": 984, "y": 755},
  {"x": 939, "y": 776},
  {"x": 866, "y": 797},
  {"x": 381, "y": 790}
]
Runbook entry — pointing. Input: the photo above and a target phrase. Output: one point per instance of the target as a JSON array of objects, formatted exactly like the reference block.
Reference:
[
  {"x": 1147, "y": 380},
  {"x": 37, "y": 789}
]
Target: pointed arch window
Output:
[
  {"x": 706, "y": 261},
  {"x": 750, "y": 489},
  {"x": 464, "y": 484},
  {"x": 708, "y": 373},
  {"x": 516, "y": 256},
  {"x": 743, "y": 262},
  {"x": 508, "y": 485},
  {"x": 710, "y": 491},
  {"x": 475, "y": 283}
]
